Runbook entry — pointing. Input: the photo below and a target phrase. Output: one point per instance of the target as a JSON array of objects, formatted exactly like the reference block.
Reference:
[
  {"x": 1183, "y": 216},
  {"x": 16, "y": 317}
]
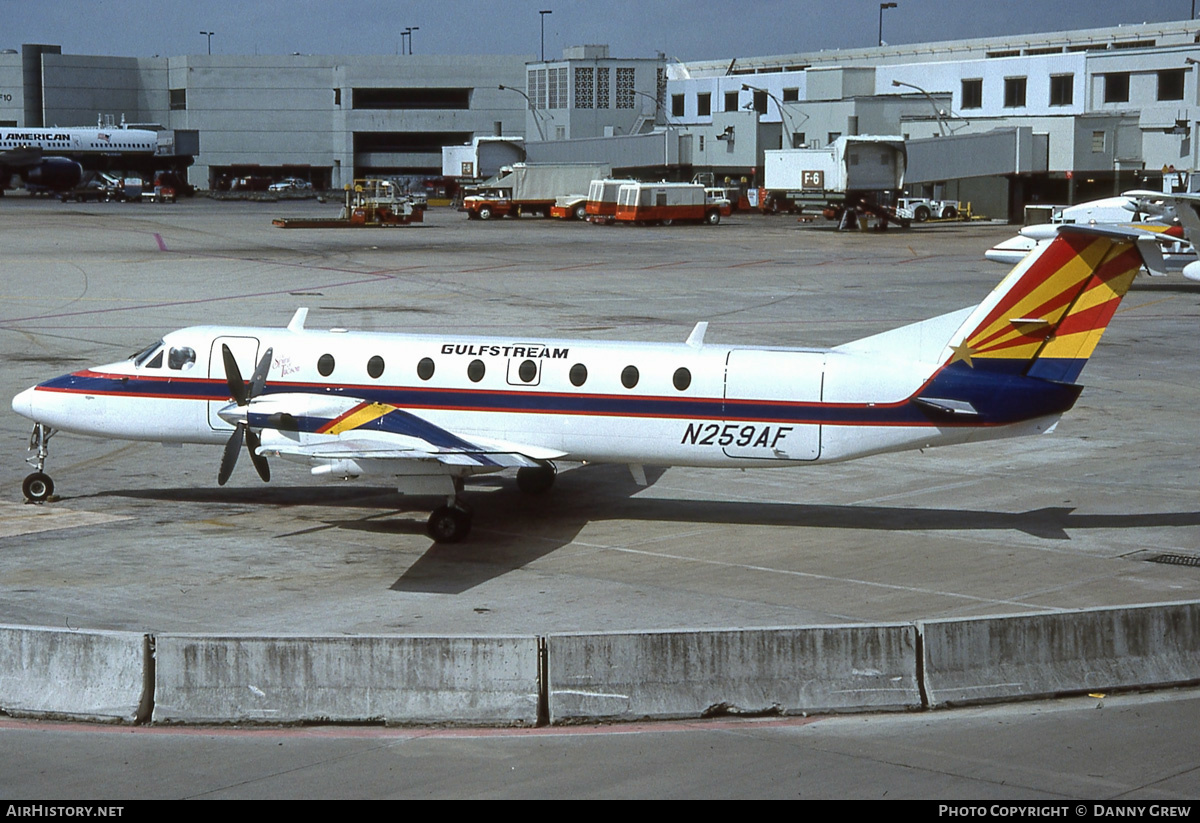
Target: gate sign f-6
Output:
[{"x": 812, "y": 180}]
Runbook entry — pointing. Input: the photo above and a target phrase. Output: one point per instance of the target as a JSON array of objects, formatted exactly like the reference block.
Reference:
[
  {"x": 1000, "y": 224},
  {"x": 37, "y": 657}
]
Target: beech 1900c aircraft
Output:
[{"x": 428, "y": 411}]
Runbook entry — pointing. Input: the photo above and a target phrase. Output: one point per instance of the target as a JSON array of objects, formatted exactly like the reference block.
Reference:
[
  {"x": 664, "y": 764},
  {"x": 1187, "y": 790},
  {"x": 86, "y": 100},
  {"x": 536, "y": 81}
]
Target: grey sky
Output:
[{"x": 686, "y": 29}]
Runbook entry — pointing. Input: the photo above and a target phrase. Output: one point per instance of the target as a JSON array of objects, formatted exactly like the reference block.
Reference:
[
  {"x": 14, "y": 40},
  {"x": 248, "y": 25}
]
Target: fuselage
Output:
[
  {"x": 79, "y": 141},
  {"x": 649, "y": 403}
]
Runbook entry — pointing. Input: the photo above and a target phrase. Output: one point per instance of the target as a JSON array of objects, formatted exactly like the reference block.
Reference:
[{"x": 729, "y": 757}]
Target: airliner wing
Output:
[
  {"x": 317, "y": 429},
  {"x": 364, "y": 451}
]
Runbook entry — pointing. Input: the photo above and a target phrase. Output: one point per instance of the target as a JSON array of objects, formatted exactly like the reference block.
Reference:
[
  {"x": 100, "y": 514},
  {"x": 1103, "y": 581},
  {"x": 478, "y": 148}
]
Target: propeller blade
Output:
[
  {"x": 260, "y": 462},
  {"x": 233, "y": 447},
  {"x": 233, "y": 376},
  {"x": 259, "y": 379}
]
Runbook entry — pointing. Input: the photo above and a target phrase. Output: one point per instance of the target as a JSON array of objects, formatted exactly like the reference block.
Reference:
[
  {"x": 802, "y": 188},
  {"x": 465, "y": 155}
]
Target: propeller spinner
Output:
[{"x": 242, "y": 395}]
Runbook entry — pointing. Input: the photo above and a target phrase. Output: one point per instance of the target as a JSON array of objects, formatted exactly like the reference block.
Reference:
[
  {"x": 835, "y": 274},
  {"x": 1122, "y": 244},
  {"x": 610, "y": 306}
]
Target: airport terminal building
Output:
[{"x": 1082, "y": 114}]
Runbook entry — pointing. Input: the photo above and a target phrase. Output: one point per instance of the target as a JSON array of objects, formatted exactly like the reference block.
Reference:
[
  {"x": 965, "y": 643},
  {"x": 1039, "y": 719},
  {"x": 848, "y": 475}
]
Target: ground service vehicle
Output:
[
  {"x": 531, "y": 188},
  {"x": 665, "y": 203},
  {"x": 920, "y": 209},
  {"x": 601, "y": 206}
]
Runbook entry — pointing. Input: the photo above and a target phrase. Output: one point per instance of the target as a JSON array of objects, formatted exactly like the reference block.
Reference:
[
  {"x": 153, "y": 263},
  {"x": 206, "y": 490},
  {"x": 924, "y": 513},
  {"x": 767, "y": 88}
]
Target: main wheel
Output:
[
  {"x": 37, "y": 487},
  {"x": 713, "y": 217},
  {"x": 449, "y": 524},
  {"x": 535, "y": 480}
]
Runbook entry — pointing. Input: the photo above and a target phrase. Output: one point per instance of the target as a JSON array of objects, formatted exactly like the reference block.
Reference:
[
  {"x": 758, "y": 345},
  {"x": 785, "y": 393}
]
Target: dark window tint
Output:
[
  {"x": 527, "y": 371},
  {"x": 425, "y": 368},
  {"x": 1116, "y": 87},
  {"x": 375, "y": 366},
  {"x": 1170, "y": 84},
  {"x": 578, "y": 374},
  {"x": 972, "y": 93},
  {"x": 629, "y": 377},
  {"x": 325, "y": 365},
  {"x": 682, "y": 379},
  {"x": 475, "y": 371}
]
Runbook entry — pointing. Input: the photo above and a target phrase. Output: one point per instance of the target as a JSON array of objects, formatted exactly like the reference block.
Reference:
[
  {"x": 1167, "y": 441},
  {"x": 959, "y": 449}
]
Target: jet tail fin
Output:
[{"x": 1046, "y": 317}]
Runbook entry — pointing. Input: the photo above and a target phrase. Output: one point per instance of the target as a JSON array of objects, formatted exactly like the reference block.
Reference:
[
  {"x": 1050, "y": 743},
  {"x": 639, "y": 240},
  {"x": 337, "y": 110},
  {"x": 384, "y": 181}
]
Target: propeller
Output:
[{"x": 242, "y": 395}]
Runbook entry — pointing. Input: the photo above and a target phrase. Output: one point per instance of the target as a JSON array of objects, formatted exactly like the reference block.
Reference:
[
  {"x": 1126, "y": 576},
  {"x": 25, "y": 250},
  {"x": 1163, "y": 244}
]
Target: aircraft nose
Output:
[{"x": 23, "y": 403}]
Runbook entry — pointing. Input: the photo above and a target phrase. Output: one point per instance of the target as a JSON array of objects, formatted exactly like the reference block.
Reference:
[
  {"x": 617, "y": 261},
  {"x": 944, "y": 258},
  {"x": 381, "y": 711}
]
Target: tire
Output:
[
  {"x": 713, "y": 217},
  {"x": 485, "y": 213},
  {"x": 950, "y": 213},
  {"x": 37, "y": 487},
  {"x": 581, "y": 212},
  {"x": 921, "y": 214},
  {"x": 667, "y": 222},
  {"x": 449, "y": 524}
]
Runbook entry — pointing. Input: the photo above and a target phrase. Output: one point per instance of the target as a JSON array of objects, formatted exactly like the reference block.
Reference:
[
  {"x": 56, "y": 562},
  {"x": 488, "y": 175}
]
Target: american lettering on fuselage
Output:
[{"x": 427, "y": 412}]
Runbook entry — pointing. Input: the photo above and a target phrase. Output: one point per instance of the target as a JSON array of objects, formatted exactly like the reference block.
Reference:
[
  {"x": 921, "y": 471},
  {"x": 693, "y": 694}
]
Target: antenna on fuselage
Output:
[
  {"x": 696, "y": 338},
  {"x": 297, "y": 322}
]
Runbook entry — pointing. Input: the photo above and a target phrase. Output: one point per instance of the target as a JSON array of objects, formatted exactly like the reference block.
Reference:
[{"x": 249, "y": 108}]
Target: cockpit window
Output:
[
  {"x": 144, "y": 355},
  {"x": 182, "y": 357},
  {"x": 155, "y": 362}
]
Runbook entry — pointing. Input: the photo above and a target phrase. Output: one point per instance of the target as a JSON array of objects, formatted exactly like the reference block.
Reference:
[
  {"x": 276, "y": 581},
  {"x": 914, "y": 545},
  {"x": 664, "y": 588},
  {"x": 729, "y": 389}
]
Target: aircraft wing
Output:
[{"x": 378, "y": 435}]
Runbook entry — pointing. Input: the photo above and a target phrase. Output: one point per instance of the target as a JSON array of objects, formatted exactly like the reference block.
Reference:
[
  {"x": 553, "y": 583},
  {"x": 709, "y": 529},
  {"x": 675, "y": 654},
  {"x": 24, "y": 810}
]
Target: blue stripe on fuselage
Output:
[{"x": 997, "y": 389}]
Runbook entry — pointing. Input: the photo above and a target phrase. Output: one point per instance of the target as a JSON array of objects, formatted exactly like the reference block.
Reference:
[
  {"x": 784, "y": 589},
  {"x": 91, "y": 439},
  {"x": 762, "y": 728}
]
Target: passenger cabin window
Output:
[
  {"x": 682, "y": 379},
  {"x": 325, "y": 365},
  {"x": 578, "y": 374},
  {"x": 475, "y": 371},
  {"x": 629, "y": 377},
  {"x": 375, "y": 366},
  {"x": 425, "y": 368}
]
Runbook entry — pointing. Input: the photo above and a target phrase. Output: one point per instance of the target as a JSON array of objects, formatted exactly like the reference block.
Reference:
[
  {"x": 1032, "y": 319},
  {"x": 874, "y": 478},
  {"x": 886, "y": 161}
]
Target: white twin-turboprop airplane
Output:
[{"x": 428, "y": 411}]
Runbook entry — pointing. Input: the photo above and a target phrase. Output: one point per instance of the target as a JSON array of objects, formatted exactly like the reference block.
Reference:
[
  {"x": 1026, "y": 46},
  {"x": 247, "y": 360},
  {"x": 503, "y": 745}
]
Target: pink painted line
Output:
[
  {"x": 666, "y": 265},
  {"x": 488, "y": 268},
  {"x": 578, "y": 266},
  {"x": 749, "y": 263},
  {"x": 162, "y": 246}
]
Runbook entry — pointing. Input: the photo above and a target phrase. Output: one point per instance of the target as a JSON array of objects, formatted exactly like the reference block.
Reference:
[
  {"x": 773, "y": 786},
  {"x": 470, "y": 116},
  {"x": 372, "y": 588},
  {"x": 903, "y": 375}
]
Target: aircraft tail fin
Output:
[{"x": 1046, "y": 317}]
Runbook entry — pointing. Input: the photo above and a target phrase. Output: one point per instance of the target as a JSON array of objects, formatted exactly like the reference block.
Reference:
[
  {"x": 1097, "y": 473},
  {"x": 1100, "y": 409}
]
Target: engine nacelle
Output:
[
  {"x": 1192, "y": 270},
  {"x": 55, "y": 173}
]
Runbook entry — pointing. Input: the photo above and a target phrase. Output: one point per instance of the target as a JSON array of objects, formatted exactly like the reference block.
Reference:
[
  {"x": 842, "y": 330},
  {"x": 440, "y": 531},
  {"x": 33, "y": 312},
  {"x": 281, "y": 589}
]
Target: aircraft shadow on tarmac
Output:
[{"x": 512, "y": 530}]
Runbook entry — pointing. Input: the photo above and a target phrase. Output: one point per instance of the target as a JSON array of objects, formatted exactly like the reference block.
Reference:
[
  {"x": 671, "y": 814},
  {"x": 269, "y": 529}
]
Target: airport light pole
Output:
[
  {"x": 938, "y": 113},
  {"x": 209, "y": 35},
  {"x": 657, "y": 107},
  {"x": 883, "y": 6},
  {"x": 532, "y": 108},
  {"x": 543, "y": 14},
  {"x": 409, "y": 30},
  {"x": 782, "y": 112}
]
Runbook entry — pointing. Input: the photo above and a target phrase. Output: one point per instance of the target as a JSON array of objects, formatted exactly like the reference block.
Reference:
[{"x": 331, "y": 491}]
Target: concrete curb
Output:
[
  {"x": 84, "y": 675},
  {"x": 1027, "y": 656},
  {"x": 180, "y": 678},
  {"x": 476, "y": 680},
  {"x": 630, "y": 676}
]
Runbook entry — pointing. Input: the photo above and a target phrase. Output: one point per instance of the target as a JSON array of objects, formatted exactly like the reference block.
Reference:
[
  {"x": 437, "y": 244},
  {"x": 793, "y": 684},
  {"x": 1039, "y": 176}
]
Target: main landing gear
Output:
[
  {"x": 451, "y": 523},
  {"x": 38, "y": 487}
]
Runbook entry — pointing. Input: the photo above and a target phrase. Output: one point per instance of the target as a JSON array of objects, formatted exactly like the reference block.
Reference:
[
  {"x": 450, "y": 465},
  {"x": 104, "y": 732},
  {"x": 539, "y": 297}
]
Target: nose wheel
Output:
[{"x": 38, "y": 487}]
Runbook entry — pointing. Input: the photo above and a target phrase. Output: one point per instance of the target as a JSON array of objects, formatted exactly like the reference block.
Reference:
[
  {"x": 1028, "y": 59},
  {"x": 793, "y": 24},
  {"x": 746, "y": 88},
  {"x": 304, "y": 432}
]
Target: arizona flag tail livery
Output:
[{"x": 1045, "y": 319}]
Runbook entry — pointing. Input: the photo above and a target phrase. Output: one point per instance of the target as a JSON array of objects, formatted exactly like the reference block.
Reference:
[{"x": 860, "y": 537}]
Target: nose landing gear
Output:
[{"x": 38, "y": 487}]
